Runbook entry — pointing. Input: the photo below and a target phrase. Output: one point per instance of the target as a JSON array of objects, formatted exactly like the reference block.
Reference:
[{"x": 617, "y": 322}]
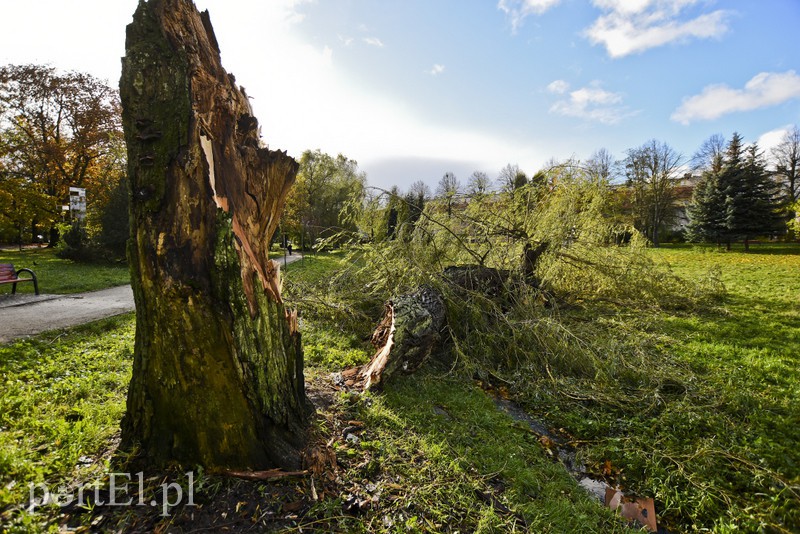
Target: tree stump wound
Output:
[
  {"x": 218, "y": 371},
  {"x": 410, "y": 330}
]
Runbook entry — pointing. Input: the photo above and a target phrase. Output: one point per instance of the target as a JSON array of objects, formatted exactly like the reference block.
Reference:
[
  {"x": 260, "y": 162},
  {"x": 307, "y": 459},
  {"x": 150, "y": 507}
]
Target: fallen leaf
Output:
[
  {"x": 292, "y": 506},
  {"x": 639, "y": 509},
  {"x": 608, "y": 469}
]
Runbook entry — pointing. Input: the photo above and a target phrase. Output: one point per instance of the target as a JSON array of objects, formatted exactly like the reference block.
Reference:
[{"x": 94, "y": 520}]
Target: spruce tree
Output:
[
  {"x": 736, "y": 198},
  {"x": 707, "y": 209}
]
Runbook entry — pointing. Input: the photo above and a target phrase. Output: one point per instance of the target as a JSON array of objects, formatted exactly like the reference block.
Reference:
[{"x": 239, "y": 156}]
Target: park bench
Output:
[{"x": 9, "y": 276}]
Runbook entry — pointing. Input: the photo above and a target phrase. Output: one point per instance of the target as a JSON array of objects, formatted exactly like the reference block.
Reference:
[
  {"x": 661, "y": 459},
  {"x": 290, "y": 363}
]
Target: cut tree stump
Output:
[{"x": 218, "y": 369}]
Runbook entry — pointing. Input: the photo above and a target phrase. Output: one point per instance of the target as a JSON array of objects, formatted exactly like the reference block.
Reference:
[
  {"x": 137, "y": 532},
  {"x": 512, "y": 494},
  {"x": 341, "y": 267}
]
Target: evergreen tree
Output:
[
  {"x": 707, "y": 209},
  {"x": 735, "y": 200}
]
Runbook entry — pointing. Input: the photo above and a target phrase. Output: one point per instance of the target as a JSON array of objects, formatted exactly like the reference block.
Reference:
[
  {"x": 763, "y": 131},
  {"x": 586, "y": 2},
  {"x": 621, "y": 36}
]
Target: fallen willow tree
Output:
[{"x": 503, "y": 267}]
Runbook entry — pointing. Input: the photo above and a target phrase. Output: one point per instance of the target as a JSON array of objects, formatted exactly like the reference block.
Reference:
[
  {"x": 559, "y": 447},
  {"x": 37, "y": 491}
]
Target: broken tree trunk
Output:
[
  {"x": 217, "y": 373},
  {"x": 409, "y": 331}
]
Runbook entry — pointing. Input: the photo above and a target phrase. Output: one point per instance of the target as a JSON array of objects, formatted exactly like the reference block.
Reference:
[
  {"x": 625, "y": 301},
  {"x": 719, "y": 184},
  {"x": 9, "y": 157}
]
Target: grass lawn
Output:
[
  {"x": 60, "y": 276},
  {"x": 698, "y": 410},
  {"x": 704, "y": 413},
  {"x": 61, "y": 399}
]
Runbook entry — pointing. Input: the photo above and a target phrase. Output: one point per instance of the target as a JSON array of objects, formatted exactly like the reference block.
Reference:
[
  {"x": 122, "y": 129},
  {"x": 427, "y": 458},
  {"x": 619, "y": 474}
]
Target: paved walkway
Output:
[{"x": 27, "y": 315}]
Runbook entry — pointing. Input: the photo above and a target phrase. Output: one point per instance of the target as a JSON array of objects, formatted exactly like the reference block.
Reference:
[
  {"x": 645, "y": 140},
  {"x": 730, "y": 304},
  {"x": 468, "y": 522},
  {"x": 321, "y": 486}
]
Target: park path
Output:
[{"x": 26, "y": 315}]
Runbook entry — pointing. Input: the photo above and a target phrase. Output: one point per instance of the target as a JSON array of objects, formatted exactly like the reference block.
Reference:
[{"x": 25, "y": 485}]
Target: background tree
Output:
[
  {"x": 600, "y": 165},
  {"x": 447, "y": 190},
  {"x": 707, "y": 208},
  {"x": 511, "y": 178},
  {"x": 709, "y": 156},
  {"x": 325, "y": 186},
  {"x": 420, "y": 191},
  {"x": 396, "y": 212},
  {"x": 750, "y": 196},
  {"x": 736, "y": 198},
  {"x": 652, "y": 174},
  {"x": 56, "y": 131},
  {"x": 478, "y": 184},
  {"x": 418, "y": 195},
  {"x": 20, "y": 204},
  {"x": 787, "y": 166}
]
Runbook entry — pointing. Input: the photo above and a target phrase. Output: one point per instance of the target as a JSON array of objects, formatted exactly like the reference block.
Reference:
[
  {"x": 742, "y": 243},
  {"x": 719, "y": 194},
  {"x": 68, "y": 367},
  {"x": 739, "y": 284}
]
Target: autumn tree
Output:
[
  {"x": 217, "y": 375},
  {"x": 58, "y": 130},
  {"x": 652, "y": 174}
]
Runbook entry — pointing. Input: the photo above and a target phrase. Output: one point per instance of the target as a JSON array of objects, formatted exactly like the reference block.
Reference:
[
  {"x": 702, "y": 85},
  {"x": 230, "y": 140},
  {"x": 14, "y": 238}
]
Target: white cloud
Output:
[
  {"x": 305, "y": 100},
  {"x": 558, "y": 87},
  {"x": 517, "y": 10},
  {"x": 436, "y": 69},
  {"x": 771, "y": 139},
  {"x": 591, "y": 103},
  {"x": 633, "y": 26},
  {"x": 373, "y": 41},
  {"x": 300, "y": 94},
  {"x": 763, "y": 90}
]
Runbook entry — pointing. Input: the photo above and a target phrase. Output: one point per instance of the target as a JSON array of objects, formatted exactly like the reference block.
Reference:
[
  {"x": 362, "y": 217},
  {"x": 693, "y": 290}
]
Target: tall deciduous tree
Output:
[
  {"x": 325, "y": 184},
  {"x": 217, "y": 370},
  {"x": 58, "y": 130},
  {"x": 787, "y": 169},
  {"x": 600, "y": 166},
  {"x": 709, "y": 156},
  {"x": 511, "y": 178},
  {"x": 652, "y": 174},
  {"x": 447, "y": 190},
  {"x": 478, "y": 184}
]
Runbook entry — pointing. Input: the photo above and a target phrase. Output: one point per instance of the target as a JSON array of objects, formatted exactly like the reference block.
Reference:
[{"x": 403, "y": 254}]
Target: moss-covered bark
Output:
[{"x": 217, "y": 377}]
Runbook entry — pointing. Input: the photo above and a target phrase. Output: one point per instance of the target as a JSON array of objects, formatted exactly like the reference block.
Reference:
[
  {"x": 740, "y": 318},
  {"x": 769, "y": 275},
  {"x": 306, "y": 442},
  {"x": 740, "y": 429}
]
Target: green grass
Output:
[
  {"x": 62, "y": 395},
  {"x": 697, "y": 409},
  {"x": 60, "y": 276},
  {"x": 443, "y": 458}
]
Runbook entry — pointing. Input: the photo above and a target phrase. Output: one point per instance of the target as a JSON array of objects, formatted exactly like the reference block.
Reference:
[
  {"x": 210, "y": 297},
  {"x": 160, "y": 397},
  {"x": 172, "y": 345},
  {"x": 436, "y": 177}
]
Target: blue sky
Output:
[{"x": 412, "y": 89}]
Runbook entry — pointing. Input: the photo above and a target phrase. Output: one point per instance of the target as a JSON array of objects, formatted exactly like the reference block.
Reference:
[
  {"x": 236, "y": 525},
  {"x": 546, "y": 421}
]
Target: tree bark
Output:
[
  {"x": 217, "y": 373},
  {"x": 410, "y": 330}
]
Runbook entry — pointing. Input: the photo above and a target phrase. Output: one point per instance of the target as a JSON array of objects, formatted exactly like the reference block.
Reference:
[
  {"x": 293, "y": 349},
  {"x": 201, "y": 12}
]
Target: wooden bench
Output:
[{"x": 9, "y": 276}]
